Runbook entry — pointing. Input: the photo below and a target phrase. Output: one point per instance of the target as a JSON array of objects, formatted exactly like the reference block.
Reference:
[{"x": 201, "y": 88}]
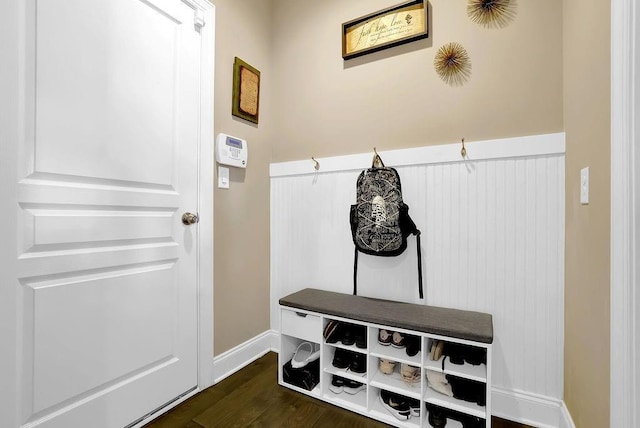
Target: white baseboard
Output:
[
  {"x": 530, "y": 409},
  {"x": 229, "y": 362}
]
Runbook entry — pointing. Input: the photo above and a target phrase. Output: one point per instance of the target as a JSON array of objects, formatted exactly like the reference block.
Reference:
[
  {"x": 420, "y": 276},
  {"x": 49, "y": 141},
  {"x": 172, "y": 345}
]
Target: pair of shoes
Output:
[
  {"x": 467, "y": 421},
  {"x": 306, "y": 377},
  {"x": 354, "y": 361},
  {"x": 468, "y": 390},
  {"x": 386, "y": 366},
  {"x": 340, "y": 384},
  {"x": 410, "y": 374},
  {"x": 393, "y": 338},
  {"x": 412, "y": 344},
  {"x": 305, "y": 353},
  {"x": 345, "y": 333},
  {"x": 395, "y": 404},
  {"x": 459, "y": 354},
  {"x": 437, "y": 348}
]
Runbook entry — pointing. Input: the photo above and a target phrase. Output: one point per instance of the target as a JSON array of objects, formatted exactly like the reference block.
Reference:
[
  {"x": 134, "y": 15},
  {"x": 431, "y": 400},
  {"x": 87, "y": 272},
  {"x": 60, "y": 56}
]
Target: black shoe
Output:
[
  {"x": 455, "y": 353},
  {"x": 412, "y": 344},
  {"x": 361, "y": 336},
  {"x": 437, "y": 417},
  {"x": 347, "y": 336},
  {"x": 337, "y": 384},
  {"x": 332, "y": 331},
  {"x": 341, "y": 359},
  {"x": 352, "y": 387},
  {"x": 395, "y": 404},
  {"x": 358, "y": 363},
  {"x": 414, "y": 406},
  {"x": 475, "y": 356}
]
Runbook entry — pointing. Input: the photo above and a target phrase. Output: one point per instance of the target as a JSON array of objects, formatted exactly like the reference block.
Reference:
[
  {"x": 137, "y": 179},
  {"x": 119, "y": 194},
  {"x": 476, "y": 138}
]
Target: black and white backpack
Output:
[{"x": 380, "y": 222}]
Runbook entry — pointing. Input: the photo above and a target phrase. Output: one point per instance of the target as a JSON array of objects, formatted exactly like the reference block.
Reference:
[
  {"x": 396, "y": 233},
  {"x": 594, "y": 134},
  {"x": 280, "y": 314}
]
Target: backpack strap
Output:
[
  {"x": 419, "y": 266},
  {"x": 355, "y": 272},
  {"x": 355, "y": 268}
]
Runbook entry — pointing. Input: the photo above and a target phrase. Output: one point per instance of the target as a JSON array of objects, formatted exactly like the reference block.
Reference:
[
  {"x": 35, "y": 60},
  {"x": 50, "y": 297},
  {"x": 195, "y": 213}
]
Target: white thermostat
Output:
[{"x": 231, "y": 151}]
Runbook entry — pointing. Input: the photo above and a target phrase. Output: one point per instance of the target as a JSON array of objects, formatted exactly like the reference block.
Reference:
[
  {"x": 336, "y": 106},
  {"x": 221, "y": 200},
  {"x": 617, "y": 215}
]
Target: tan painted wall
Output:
[
  {"x": 394, "y": 99},
  {"x": 586, "y": 27},
  {"x": 241, "y": 228},
  {"x": 315, "y": 104}
]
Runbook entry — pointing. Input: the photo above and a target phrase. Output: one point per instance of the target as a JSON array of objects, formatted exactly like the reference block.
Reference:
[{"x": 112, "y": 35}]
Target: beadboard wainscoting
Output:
[{"x": 492, "y": 241}]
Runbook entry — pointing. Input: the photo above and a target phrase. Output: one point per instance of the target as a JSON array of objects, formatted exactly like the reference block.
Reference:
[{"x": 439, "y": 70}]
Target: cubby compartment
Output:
[
  {"x": 343, "y": 334},
  {"x": 388, "y": 374},
  {"x": 459, "y": 401},
  {"x": 392, "y": 408},
  {"x": 400, "y": 354},
  {"x": 453, "y": 418},
  {"x": 345, "y": 391},
  {"x": 348, "y": 363},
  {"x": 473, "y": 367},
  {"x": 305, "y": 378}
]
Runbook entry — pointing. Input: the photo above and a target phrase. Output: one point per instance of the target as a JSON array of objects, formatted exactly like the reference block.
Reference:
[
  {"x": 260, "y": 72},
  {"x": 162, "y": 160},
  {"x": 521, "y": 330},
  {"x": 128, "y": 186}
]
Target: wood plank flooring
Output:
[{"x": 253, "y": 398}]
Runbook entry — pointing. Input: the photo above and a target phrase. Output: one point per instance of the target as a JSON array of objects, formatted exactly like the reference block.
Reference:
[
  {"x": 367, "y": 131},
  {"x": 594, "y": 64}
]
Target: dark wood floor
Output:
[{"x": 253, "y": 398}]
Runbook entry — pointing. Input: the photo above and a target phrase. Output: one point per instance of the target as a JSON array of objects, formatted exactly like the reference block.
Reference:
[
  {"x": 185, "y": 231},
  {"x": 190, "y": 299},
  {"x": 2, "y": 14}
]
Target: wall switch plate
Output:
[
  {"x": 223, "y": 177},
  {"x": 584, "y": 186}
]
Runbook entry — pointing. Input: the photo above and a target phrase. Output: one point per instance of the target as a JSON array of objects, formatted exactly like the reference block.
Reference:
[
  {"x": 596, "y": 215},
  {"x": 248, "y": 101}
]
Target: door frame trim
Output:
[
  {"x": 625, "y": 226},
  {"x": 205, "y": 196},
  {"x": 11, "y": 117}
]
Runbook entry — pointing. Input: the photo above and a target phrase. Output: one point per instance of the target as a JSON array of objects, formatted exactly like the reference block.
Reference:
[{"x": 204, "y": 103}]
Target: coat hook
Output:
[
  {"x": 463, "y": 152},
  {"x": 316, "y": 164},
  {"x": 377, "y": 160}
]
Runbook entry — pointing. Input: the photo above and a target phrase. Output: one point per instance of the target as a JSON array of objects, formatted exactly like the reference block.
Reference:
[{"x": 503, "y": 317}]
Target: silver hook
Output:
[
  {"x": 316, "y": 164},
  {"x": 463, "y": 152}
]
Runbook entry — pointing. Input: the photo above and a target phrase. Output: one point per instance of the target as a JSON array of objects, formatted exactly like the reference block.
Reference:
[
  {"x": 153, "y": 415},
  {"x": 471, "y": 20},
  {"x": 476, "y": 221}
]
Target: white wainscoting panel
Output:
[{"x": 492, "y": 241}]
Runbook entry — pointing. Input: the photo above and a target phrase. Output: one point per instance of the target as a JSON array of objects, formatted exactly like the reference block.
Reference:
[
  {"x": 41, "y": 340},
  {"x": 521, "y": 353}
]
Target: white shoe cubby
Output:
[{"x": 298, "y": 325}]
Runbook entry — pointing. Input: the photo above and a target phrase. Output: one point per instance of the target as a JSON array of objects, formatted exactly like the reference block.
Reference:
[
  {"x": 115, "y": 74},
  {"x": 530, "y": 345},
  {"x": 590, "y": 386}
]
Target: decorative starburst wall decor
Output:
[
  {"x": 492, "y": 13},
  {"x": 452, "y": 63}
]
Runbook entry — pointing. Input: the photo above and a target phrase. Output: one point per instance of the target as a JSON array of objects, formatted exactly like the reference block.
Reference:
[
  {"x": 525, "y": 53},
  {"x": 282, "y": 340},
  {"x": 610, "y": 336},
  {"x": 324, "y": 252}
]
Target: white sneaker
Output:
[{"x": 306, "y": 353}]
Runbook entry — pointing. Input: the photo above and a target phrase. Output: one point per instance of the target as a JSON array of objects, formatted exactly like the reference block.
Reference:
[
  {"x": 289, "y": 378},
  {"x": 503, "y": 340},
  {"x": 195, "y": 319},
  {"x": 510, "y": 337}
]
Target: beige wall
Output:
[
  {"x": 315, "y": 104},
  {"x": 586, "y": 28},
  {"x": 241, "y": 229},
  {"x": 393, "y": 99}
]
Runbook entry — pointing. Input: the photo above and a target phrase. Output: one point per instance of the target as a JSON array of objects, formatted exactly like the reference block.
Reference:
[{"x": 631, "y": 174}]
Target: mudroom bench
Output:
[{"x": 404, "y": 364}]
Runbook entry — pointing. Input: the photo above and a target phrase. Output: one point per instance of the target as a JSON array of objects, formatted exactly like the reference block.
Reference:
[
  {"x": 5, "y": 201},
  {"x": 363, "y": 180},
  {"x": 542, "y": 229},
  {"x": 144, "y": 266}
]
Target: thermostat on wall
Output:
[{"x": 231, "y": 151}]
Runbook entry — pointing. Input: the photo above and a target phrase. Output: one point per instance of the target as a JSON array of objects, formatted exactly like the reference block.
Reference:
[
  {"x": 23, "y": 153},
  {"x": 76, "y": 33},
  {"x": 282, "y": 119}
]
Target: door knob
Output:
[{"x": 189, "y": 219}]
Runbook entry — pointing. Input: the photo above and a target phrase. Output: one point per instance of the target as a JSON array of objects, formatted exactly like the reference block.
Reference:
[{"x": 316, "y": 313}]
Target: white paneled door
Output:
[{"x": 105, "y": 273}]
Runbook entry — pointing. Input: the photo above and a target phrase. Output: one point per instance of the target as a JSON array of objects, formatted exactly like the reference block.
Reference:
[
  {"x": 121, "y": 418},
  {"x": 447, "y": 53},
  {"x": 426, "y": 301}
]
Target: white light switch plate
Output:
[
  {"x": 584, "y": 186},
  {"x": 223, "y": 177}
]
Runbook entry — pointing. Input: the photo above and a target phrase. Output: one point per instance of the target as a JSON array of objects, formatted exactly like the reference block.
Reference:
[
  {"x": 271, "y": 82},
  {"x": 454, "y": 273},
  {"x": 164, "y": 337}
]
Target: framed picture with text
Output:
[
  {"x": 385, "y": 28},
  {"x": 246, "y": 91}
]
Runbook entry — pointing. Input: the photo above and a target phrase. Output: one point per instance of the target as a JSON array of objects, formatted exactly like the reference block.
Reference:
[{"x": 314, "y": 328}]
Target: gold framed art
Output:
[
  {"x": 246, "y": 91},
  {"x": 385, "y": 28}
]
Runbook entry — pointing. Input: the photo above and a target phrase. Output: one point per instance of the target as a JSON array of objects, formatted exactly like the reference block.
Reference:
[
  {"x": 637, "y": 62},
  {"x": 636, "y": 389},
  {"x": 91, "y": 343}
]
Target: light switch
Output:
[
  {"x": 223, "y": 177},
  {"x": 584, "y": 186}
]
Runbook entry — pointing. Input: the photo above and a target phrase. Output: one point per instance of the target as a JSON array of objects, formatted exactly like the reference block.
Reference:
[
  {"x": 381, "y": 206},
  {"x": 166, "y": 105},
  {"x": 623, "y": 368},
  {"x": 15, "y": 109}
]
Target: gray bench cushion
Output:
[{"x": 476, "y": 326}]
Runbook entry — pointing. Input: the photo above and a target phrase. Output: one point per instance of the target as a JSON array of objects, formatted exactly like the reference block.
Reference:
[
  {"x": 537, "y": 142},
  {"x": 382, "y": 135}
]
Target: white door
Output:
[{"x": 106, "y": 271}]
